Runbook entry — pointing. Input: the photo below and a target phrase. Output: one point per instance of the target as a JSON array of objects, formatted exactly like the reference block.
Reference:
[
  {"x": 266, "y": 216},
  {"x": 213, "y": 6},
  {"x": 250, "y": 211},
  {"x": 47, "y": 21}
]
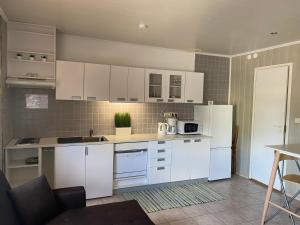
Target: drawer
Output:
[
  {"x": 131, "y": 146},
  {"x": 159, "y": 174},
  {"x": 160, "y": 144},
  {"x": 162, "y": 161},
  {"x": 160, "y": 153}
]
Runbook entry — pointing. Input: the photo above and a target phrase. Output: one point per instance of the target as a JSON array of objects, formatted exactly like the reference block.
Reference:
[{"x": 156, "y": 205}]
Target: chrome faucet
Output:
[{"x": 91, "y": 132}]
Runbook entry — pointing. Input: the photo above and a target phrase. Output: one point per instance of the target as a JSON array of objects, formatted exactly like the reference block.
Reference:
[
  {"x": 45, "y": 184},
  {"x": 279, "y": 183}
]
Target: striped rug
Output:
[{"x": 173, "y": 196}]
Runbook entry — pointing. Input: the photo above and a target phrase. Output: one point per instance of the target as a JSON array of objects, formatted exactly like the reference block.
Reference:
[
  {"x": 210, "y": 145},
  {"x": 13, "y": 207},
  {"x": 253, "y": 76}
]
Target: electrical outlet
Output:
[{"x": 297, "y": 120}]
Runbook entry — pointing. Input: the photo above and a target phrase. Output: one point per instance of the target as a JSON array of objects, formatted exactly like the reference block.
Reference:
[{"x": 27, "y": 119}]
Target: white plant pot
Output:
[{"x": 123, "y": 131}]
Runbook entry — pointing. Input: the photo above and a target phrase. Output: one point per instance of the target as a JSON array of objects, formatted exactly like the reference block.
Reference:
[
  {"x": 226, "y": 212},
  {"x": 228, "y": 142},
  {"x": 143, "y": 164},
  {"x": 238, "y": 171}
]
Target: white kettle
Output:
[{"x": 162, "y": 128}]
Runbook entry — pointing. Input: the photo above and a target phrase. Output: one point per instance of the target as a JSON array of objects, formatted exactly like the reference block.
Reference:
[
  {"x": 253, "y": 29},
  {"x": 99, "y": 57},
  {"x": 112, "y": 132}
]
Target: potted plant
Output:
[{"x": 123, "y": 124}]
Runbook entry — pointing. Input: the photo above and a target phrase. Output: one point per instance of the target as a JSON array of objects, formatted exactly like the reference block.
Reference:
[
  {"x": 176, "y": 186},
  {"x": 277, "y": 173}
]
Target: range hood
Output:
[{"x": 28, "y": 82}]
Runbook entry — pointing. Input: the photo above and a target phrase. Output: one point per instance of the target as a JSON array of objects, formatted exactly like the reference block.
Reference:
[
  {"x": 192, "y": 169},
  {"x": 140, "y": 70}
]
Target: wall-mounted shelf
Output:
[{"x": 15, "y": 164}]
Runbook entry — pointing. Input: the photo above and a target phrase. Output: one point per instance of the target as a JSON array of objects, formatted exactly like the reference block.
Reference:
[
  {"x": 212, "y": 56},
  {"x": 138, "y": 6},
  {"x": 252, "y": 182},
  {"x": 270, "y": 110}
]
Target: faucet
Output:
[{"x": 91, "y": 132}]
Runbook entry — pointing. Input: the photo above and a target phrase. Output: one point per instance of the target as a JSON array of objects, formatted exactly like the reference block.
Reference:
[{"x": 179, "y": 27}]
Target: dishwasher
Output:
[{"x": 130, "y": 164}]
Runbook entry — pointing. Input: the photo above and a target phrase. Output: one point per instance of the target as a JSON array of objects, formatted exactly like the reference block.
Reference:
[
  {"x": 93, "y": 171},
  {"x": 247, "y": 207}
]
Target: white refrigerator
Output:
[{"x": 217, "y": 122}]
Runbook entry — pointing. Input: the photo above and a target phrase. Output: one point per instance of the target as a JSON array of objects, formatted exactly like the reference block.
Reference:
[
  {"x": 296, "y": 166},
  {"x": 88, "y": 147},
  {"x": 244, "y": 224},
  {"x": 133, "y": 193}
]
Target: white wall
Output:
[{"x": 84, "y": 49}]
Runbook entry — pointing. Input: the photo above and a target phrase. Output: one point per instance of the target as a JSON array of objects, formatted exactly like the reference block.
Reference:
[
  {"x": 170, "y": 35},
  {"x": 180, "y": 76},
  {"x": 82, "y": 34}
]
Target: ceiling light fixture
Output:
[{"x": 143, "y": 25}]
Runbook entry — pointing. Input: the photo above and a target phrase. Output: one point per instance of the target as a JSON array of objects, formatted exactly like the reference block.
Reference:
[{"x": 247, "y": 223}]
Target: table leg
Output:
[{"x": 270, "y": 187}]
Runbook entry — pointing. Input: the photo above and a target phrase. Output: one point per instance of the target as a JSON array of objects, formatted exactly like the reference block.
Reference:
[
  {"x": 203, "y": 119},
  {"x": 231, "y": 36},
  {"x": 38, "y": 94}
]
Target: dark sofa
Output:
[{"x": 71, "y": 207}]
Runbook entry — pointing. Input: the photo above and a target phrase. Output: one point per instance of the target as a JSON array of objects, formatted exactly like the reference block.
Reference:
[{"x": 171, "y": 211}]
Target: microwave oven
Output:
[{"x": 189, "y": 127}]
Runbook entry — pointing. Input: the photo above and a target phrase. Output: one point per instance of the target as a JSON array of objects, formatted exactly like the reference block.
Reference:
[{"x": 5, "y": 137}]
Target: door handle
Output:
[
  {"x": 161, "y": 159},
  {"x": 170, "y": 100},
  {"x": 76, "y": 97},
  {"x": 189, "y": 101},
  {"x": 197, "y": 140},
  {"x": 161, "y": 168},
  {"x": 187, "y": 141},
  {"x": 86, "y": 151},
  {"x": 121, "y": 99},
  {"x": 161, "y": 142},
  {"x": 133, "y": 99},
  {"x": 91, "y": 98},
  {"x": 159, "y": 100},
  {"x": 161, "y": 150}
]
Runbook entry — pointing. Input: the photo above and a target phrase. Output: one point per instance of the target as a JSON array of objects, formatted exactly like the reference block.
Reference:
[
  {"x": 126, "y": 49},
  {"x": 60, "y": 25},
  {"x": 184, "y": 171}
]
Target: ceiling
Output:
[{"x": 215, "y": 26}]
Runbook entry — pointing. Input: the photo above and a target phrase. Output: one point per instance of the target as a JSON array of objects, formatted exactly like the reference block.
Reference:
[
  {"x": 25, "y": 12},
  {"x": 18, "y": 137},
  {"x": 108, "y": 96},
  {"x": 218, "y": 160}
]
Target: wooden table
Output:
[{"x": 289, "y": 150}]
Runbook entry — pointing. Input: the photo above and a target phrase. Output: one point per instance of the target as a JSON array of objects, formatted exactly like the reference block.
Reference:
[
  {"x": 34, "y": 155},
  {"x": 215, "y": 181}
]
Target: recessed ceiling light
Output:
[
  {"x": 274, "y": 33},
  {"x": 143, "y": 25}
]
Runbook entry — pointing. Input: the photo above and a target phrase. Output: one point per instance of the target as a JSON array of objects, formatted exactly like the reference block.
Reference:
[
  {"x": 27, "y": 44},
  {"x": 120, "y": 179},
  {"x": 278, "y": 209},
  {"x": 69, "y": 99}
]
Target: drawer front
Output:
[
  {"x": 161, "y": 161},
  {"x": 160, "y": 153},
  {"x": 160, "y": 144},
  {"x": 131, "y": 146},
  {"x": 160, "y": 174}
]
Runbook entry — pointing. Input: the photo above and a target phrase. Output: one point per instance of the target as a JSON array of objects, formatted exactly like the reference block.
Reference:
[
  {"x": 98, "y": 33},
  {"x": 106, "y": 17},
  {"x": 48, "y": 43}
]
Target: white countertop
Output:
[{"x": 112, "y": 139}]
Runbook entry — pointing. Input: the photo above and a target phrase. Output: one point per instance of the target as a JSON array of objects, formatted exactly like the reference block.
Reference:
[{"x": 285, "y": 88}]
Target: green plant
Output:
[{"x": 122, "y": 120}]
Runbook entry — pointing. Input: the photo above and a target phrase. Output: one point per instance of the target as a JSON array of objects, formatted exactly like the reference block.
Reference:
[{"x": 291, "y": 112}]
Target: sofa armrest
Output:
[{"x": 70, "y": 198}]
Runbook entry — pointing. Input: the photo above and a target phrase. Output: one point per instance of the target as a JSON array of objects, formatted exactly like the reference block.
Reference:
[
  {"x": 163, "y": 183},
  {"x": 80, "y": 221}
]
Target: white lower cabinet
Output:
[
  {"x": 190, "y": 159},
  {"x": 90, "y": 166}
]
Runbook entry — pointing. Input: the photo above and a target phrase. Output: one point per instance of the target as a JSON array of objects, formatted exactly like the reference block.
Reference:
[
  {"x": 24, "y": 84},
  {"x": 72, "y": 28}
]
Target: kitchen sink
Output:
[{"x": 69, "y": 140}]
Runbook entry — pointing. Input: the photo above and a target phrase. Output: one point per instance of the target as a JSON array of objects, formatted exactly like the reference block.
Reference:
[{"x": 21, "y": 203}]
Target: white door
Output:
[
  {"x": 69, "y": 166},
  {"x": 136, "y": 85},
  {"x": 175, "y": 86},
  {"x": 155, "y": 85},
  {"x": 199, "y": 155},
  {"x": 69, "y": 80},
  {"x": 268, "y": 120},
  {"x": 180, "y": 165},
  {"x": 99, "y": 170},
  {"x": 194, "y": 87},
  {"x": 96, "y": 82},
  {"x": 118, "y": 83},
  {"x": 220, "y": 163}
]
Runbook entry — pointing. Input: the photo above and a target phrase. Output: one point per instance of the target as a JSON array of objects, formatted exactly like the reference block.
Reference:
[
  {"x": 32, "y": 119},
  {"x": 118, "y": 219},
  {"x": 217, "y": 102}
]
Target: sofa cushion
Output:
[
  {"x": 120, "y": 213},
  {"x": 34, "y": 202}
]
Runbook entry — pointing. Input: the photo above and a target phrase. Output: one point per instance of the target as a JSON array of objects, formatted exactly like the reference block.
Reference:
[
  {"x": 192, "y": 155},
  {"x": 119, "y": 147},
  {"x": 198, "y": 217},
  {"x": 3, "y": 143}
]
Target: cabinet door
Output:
[
  {"x": 175, "y": 86},
  {"x": 99, "y": 170},
  {"x": 199, "y": 158},
  {"x": 96, "y": 82},
  {"x": 155, "y": 85},
  {"x": 69, "y": 166},
  {"x": 136, "y": 87},
  {"x": 69, "y": 80},
  {"x": 180, "y": 160},
  {"x": 118, "y": 83},
  {"x": 194, "y": 87}
]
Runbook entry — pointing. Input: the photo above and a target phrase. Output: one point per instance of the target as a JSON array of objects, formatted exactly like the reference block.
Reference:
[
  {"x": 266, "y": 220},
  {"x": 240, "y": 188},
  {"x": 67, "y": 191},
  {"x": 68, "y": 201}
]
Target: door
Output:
[
  {"x": 155, "y": 85},
  {"x": 69, "y": 80},
  {"x": 268, "y": 119},
  {"x": 99, "y": 170},
  {"x": 136, "y": 85},
  {"x": 96, "y": 82},
  {"x": 199, "y": 158},
  {"x": 220, "y": 163},
  {"x": 175, "y": 86},
  {"x": 69, "y": 166},
  {"x": 118, "y": 83},
  {"x": 180, "y": 166},
  {"x": 194, "y": 87}
]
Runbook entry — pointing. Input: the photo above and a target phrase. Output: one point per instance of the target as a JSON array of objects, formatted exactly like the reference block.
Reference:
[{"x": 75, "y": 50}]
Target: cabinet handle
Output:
[
  {"x": 133, "y": 99},
  {"x": 91, "y": 98},
  {"x": 161, "y": 159},
  {"x": 190, "y": 100},
  {"x": 161, "y": 168},
  {"x": 121, "y": 99},
  {"x": 161, "y": 142},
  {"x": 197, "y": 140},
  {"x": 86, "y": 151},
  {"x": 76, "y": 97},
  {"x": 187, "y": 141},
  {"x": 170, "y": 100},
  {"x": 161, "y": 150},
  {"x": 159, "y": 100}
]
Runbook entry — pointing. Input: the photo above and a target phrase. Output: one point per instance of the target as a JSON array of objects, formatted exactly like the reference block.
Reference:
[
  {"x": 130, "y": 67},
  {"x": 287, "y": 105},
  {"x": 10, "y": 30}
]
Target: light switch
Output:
[{"x": 297, "y": 120}]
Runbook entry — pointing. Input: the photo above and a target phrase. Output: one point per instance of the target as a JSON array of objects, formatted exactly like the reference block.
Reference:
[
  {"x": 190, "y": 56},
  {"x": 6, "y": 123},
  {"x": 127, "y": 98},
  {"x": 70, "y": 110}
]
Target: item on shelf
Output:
[
  {"x": 44, "y": 58},
  {"x": 123, "y": 124},
  {"x": 32, "y": 57},
  {"x": 32, "y": 160},
  {"x": 19, "y": 56}
]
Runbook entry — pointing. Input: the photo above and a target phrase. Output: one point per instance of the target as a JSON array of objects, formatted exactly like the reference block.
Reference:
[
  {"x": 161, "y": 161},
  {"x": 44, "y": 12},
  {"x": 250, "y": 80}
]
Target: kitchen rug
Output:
[{"x": 173, "y": 196}]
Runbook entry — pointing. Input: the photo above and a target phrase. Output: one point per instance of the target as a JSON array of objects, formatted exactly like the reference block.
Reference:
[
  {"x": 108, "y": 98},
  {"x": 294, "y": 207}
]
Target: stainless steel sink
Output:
[{"x": 69, "y": 140}]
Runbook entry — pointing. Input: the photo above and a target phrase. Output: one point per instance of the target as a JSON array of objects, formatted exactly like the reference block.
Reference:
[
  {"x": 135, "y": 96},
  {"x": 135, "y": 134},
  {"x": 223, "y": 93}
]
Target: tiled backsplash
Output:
[
  {"x": 216, "y": 77},
  {"x": 69, "y": 118}
]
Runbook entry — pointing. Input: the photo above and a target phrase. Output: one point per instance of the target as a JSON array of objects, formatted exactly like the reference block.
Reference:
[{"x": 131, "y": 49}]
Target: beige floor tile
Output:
[
  {"x": 158, "y": 218},
  {"x": 209, "y": 219},
  {"x": 188, "y": 221},
  {"x": 172, "y": 215},
  {"x": 195, "y": 210},
  {"x": 230, "y": 217}
]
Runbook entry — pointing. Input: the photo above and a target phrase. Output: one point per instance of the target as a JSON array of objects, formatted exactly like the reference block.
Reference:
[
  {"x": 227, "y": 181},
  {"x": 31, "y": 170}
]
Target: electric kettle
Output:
[{"x": 162, "y": 128}]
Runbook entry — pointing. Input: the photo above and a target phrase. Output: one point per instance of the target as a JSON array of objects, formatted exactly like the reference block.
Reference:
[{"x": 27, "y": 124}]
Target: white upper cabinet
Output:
[
  {"x": 118, "y": 83},
  {"x": 175, "y": 86},
  {"x": 194, "y": 87},
  {"x": 96, "y": 82},
  {"x": 69, "y": 80},
  {"x": 155, "y": 85},
  {"x": 135, "y": 85}
]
